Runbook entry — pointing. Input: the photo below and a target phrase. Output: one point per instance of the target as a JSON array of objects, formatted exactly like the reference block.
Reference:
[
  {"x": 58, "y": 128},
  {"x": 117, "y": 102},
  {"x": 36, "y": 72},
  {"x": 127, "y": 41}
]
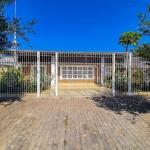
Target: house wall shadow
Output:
[{"x": 133, "y": 104}]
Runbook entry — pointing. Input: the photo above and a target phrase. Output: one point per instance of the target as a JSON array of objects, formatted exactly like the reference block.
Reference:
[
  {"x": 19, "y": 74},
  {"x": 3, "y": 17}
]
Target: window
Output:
[
  {"x": 42, "y": 70},
  {"x": 76, "y": 72},
  {"x": 34, "y": 70},
  {"x": 108, "y": 70}
]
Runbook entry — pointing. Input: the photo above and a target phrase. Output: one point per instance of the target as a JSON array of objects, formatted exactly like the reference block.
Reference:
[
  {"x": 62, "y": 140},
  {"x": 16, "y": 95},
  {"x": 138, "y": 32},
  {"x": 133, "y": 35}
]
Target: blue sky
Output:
[{"x": 78, "y": 25}]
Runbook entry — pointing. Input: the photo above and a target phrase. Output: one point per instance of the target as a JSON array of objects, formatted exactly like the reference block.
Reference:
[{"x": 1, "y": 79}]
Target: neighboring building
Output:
[{"x": 6, "y": 60}]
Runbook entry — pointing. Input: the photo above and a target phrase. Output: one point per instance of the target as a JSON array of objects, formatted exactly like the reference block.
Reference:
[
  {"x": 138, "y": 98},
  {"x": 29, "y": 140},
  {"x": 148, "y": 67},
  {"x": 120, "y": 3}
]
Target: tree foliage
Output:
[
  {"x": 4, "y": 3},
  {"x": 8, "y": 26},
  {"x": 144, "y": 24},
  {"x": 128, "y": 38},
  {"x": 4, "y": 41},
  {"x": 143, "y": 50},
  {"x": 21, "y": 28}
]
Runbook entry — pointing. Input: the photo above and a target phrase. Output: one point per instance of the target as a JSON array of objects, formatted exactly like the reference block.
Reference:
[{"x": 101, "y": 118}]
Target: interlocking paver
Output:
[{"x": 72, "y": 124}]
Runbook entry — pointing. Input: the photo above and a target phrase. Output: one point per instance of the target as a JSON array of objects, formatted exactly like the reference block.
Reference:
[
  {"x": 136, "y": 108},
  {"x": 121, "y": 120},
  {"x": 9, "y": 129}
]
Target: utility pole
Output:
[{"x": 15, "y": 40}]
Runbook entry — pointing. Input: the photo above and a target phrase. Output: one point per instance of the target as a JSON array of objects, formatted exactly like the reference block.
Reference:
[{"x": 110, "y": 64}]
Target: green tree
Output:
[
  {"x": 9, "y": 26},
  {"x": 4, "y": 41},
  {"x": 143, "y": 50},
  {"x": 126, "y": 39},
  {"x": 4, "y": 3},
  {"x": 144, "y": 24}
]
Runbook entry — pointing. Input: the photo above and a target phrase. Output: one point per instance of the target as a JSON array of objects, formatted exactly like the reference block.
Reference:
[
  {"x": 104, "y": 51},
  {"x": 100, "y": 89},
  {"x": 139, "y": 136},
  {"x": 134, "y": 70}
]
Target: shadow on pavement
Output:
[
  {"x": 131, "y": 104},
  {"x": 5, "y": 101}
]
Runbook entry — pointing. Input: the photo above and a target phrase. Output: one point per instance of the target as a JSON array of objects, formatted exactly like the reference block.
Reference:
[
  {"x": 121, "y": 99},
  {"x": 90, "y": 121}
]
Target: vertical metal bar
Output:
[
  {"x": 56, "y": 92},
  {"x": 38, "y": 74},
  {"x": 97, "y": 74},
  {"x": 113, "y": 74},
  {"x": 52, "y": 69},
  {"x": 129, "y": 75},
  {"x": 102, "y": 70},
  {"x": 86, "y": 55}
]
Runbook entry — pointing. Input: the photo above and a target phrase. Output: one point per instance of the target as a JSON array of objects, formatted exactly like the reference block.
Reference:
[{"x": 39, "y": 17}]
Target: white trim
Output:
[{"x": 77, "y": 74}]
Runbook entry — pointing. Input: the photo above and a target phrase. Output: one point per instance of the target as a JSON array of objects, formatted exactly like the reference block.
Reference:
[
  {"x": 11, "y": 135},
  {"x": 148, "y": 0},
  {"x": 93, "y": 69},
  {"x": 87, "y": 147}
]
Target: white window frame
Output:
[
  {"x": 77, "y": 74},
  {"x": 110, "y": 70},
  {"x": 33, "y": 66}
]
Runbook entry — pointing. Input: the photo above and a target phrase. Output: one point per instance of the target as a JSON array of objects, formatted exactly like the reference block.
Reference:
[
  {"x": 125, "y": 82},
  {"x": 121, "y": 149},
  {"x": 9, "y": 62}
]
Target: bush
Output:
[
  {"x": 31, "y": 84},
  {"x": 11, "y": 80},
  {"x": 121, "y": 82},
  {"x": 141, "y": 86},
  {"x": 45, "y": 82},
  {"x": 142, "y": 82},
  {"x": 146, "y": 86},
  {"x": 108, "y": 80}
]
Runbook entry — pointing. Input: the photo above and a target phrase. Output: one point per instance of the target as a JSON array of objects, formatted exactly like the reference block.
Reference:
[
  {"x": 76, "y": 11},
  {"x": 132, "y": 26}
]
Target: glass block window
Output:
[{"x": 76, "y": 72}]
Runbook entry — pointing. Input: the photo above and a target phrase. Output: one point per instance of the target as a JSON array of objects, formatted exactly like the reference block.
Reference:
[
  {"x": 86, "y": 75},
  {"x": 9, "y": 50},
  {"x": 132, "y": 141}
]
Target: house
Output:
[{"x": 72, "y": 67}]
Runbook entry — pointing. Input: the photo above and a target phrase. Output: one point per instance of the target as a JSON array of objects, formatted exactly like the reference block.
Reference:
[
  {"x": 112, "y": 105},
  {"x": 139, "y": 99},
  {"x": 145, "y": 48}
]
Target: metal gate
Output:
[
  {"x": 63, "y": 74},
  {"x": 80, "y": 74}
]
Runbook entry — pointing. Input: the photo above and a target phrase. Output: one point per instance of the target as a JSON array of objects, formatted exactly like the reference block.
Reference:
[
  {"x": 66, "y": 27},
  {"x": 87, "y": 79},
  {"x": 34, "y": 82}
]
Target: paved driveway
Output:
[{"x": 104, "y": 123}]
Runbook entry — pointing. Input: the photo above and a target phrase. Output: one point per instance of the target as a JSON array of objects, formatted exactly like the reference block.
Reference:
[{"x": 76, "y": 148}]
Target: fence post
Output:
[
  {"x": 113, "y": 74},
  {"x": 129, "y": 75},
  {"x": 38, "y": 74},
  {"x": 97, "y": 74},
  {"x": 52, "y": 69},
  {"x": 102, "y": 70},
  {"x": 56, "y": 90}
]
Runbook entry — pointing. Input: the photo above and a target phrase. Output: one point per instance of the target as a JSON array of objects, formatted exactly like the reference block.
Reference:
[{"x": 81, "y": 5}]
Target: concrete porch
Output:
[{"x": 77, "y": 90}]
